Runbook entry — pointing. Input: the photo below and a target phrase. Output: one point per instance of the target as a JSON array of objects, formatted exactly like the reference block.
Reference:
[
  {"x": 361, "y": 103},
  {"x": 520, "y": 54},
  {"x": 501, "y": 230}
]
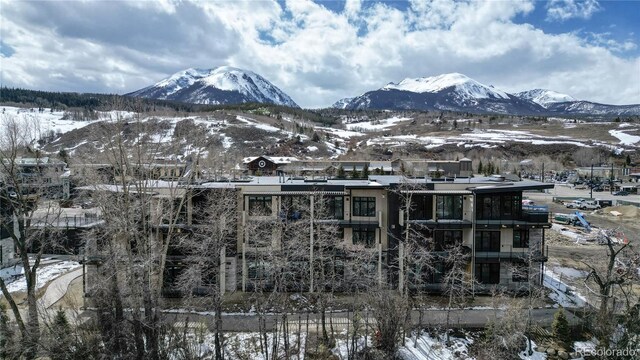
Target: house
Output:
[{"x": 265, "y": 165}]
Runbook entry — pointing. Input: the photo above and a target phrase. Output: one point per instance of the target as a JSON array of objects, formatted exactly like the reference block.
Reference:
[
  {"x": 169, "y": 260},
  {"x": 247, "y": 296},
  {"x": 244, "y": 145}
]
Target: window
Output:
[
  {"x": 258, "y": 270},
  {"x": 294, "y": 207},
  {"x": 364, "y": 236},
  {"x": 488, "y": 273},
  {"x": 488, "y": 241},
  {"x": 335, "y": 207},
  {"x": 445, "y": 239},
  {"x": 499, "y": 207},
  {"x": 520, "y": 273},
  {"x": 259, "y": 205},
  {"x": 521, "y": 238},
  {"x": 449, "y": 207},
  {"x": 421, "y": 207},
  {"x": 364, "y": 206}
]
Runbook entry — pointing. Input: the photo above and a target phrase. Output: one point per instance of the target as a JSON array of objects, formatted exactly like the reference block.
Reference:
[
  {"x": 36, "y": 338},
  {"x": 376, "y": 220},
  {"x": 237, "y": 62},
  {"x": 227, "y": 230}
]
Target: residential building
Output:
[{"x": 354, "y": 232}]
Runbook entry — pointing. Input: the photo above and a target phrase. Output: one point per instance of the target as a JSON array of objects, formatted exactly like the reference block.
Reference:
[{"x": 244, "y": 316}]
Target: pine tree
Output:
[
  {"x": 6, "y": 334},
  {"x": 560, "y": 327},
  {"x": 340, "y": 172},
  {"x": 365, "y": 171},
  {"x": 628, "y": 160},
  {"x": 61, "y": 337},
  {"x": 354, "y": 173},
  {"x": 480, "y": 167}
]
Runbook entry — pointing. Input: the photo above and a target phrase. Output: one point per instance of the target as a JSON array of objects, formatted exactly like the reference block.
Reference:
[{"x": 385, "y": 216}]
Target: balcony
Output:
[
  {"x": 535, "y": 214},
  {"x": 531, "y": 216},
  {"x": 512, "y": 255}
]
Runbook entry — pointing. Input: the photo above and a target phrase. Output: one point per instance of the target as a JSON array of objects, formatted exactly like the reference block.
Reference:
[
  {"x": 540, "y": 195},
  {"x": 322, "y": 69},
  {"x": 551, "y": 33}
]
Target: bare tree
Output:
[
  {"x": 204, "y": 248},
  {"x": 611, "y": 278},
  {"x": 28, "y": 217}
]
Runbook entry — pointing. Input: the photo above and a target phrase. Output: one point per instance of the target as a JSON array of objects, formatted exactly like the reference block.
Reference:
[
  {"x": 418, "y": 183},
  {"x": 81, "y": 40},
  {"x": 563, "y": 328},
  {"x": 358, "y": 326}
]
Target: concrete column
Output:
[
  {"x": 223, "y": 270},
  {"x": 311, "y": 212}
]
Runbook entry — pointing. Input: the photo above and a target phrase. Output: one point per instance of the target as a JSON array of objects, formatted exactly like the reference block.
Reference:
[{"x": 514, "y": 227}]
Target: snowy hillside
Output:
[
  {"x": 342, "y": 103},
  {"x": 221, "y": 85},
  {"x": 544, "y": 97},
  {"x": 463, "y": 85}
]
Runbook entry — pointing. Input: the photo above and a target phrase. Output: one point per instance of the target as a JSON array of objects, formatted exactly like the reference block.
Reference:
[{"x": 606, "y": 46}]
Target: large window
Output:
[
  {"x": 445, "y": 239},
  {"x": 521, "y": 238},
  {"x": 258, "y": 269},
  {"x": 488, "y": 241},
  {"x": 488, "y": 273},
  {"x": 364, "y": 206},
  {"x": 260, "y": 205},
  {"x": 449, "y": 207},
  {"x": 364, "y": 236},
  {"x": 335, "y": 207},
  {"x": 421, "y": 207},
  {"x": 499, "y": 207},
  {"x": 294, "y": 207}
]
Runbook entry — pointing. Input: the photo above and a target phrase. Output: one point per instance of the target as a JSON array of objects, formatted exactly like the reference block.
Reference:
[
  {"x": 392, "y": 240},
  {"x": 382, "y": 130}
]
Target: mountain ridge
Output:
[
  {"x": 217, "y": 86},
  {"x": 458, "y": 92}
]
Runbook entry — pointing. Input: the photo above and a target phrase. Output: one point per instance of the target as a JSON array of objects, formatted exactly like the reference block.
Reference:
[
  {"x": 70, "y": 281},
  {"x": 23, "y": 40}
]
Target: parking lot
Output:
[{"x": 564, "y": 190}]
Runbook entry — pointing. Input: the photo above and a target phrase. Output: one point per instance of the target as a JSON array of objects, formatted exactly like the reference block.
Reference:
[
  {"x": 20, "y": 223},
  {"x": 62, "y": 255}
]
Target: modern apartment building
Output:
[{"x": 296, "y": 234}]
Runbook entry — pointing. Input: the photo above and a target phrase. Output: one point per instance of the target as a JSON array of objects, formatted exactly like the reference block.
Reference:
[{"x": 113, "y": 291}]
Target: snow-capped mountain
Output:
[
  {"x": 342, "y": 103},
  {"x": 455, "y": 92},
  {"x": 544, "y": 98},
  {"x": 464, "y": 86},
  {"x": 221, "y": 85}
]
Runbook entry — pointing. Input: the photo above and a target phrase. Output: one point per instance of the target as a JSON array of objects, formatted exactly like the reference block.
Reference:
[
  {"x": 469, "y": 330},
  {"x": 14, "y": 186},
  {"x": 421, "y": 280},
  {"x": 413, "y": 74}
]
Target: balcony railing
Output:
[{"x": 535, "y": 214}]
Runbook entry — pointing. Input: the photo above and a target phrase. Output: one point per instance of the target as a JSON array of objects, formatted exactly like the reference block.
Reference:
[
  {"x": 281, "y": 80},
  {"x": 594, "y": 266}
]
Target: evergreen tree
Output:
[
  {"x": 628, "y": 160},
  {"x": 6, "y": 334},
  {"x": 497, "y": 170},
  {"x": 354, "y": 173},
  {"x": 480, "y": 169},
  {"x": 61, "y": 337},
  {"x": 560, "y": 327},
  {"x": 340, "y": 172},
  {"x": 365, "y": 171}
]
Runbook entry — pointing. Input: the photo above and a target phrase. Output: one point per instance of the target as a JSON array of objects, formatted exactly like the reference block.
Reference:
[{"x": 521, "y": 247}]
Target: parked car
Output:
[
  {"x": 589, "y": 205},
  {"x": 575, "y": 204},
  {"x": 621, "y": 193}
]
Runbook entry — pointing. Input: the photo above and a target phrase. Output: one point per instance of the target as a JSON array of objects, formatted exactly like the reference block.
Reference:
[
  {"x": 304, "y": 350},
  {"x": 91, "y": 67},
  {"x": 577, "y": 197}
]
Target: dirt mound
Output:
[{"x": 627, "y": 211}]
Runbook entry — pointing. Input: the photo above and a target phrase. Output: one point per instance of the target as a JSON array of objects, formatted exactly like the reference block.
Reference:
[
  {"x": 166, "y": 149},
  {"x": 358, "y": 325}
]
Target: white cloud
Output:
[
  {"x": 315, "y": 55},
  {"x": 562, "y": 10}
]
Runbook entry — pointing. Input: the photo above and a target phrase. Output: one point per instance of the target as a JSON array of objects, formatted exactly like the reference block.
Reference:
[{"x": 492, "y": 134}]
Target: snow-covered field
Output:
[
  {"x": 17, "y": 282},
  {"x": 377, "y": 124}
]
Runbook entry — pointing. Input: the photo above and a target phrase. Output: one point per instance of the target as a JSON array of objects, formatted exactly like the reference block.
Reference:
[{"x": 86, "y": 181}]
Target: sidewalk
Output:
[{"x": 58, "y": 288}]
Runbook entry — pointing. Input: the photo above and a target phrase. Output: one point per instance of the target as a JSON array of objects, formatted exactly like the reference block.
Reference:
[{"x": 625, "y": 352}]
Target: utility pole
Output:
[
  {"x": 611, "y": 180},
  {"x": 591, "y": 183}
]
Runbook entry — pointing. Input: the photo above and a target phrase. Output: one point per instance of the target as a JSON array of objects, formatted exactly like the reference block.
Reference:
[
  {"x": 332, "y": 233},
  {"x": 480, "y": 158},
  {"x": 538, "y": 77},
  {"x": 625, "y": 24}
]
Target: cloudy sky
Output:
[{"x": 321, "y": 51}]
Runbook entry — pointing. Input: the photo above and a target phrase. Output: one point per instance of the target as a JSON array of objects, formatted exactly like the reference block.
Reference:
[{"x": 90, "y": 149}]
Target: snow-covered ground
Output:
[
  {"x": 17, "y": 282},
  {"x": 563, "y": 294},
  {"x": 625, "y": 139},
  {"x": 426, "y": 347},
  {"x": 377, "y": 124}
]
